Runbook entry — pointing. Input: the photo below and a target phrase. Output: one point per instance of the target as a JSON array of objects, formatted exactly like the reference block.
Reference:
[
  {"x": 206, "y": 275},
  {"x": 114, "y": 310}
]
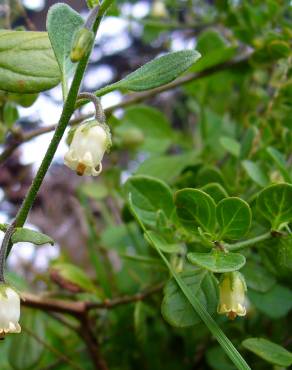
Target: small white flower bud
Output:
[
  {"x": 232, "y": 290},
  {"x": 159, "y": 9},
  {"x": 89, "y": 143},
  {"x": 9, "y": 310}
]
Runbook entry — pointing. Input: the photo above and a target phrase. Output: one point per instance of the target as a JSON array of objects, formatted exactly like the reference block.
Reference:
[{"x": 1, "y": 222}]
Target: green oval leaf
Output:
[
  {"x": 217, "y": 261},
  {"x": 149, "y": 195},
  {"x": 194, "y": 207},
  {"x": 153, "y": 125},
  {"x": 255, "y": 172},
  {"x": 31, "y": 236},
  {"x": 62, "y": 23},
  {"x": 257, "y": 277},
  {"x": 234, "y": 218},
  {"x": 158, "y": 72},
  {"x": 27, "y": 62},
  {"x": 275, "y": 303},
  {"x": 230, "y": 145},
  {"x": 269, "y": 351},
  {"x": 275, "y": 204},
  {"x": 175, "y": 307},
  {"x": 166, "y": 167},
  {"x": 280, "y": 162}
]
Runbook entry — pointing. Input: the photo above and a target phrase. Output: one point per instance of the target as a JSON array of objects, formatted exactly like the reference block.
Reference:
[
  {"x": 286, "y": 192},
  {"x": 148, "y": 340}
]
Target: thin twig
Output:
[
  {"x": 60, "y": 355},
  {"x": 62, "y": 320},
  {"x": 77, "y": 309},
  {"x": 86, "y": 332}
]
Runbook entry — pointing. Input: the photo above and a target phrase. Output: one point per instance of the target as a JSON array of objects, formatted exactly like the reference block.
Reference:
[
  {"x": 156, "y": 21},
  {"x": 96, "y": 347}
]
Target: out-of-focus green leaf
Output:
[
  {"x": 74, "y": 275},
  {"x": 280, "y": 162},
  {"x": 10, "y": 114},
  {"x": 94, "y": 190},
  {"x": 257, "y": 277},
  {"x": 269, "y": 351},
  {"x": 230, "y": 145},
  {"x": 214, "y": 50},
  {"x": 275, "y": 303},
  {"x": 31, "y": 236},
  {"x": 153, "y": 125},
  {"x": 166, "y": 167},
  {"x": 255, "y": 172}
]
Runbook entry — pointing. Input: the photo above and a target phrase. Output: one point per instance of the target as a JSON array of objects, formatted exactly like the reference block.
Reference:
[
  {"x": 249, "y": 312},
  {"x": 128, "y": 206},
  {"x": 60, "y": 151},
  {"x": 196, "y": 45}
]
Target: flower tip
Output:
[{"x": 80, "y": 169}]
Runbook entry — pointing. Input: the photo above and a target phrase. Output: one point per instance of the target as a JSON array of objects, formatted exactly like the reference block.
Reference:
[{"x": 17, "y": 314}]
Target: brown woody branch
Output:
[
  {"x": 130, "y": 99},
  {"x": 77, "y": 309}
]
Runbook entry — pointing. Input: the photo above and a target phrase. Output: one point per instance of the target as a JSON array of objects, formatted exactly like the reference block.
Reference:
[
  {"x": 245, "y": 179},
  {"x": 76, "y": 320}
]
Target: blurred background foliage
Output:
[{"x": 230, "y": 125}]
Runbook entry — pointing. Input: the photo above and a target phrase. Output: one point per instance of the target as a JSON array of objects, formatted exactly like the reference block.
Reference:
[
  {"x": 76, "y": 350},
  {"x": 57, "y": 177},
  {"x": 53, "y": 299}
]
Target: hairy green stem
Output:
[
  {"x": 4, "y": 248},
  {"x": 248, "y": 242},
  {"x": 67, "y": 112},
  {"x": 99, "y": 113}
]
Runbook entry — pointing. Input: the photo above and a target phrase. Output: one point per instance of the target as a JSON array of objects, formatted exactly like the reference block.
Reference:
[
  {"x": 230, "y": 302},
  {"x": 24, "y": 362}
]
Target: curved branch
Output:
[{"x": 78, "y": 309}]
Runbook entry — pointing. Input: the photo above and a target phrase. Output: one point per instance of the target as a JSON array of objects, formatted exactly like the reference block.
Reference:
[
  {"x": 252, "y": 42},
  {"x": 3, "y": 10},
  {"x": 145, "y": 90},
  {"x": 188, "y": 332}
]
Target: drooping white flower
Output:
[
  {"x": 9, "y": 310},
  {"x": 89, "y": 143},
  {"x": 232, "y": 300}
]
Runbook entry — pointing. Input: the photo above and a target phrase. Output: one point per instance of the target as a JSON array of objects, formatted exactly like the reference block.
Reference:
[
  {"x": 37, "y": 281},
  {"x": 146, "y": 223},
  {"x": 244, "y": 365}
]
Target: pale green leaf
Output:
[
  {"x": 255, "y": 172},
  {"x": 157, "y": 72},
  {"x": 280, "y": 162},
  {"x": 62, "y": 23},
  {"x": 27, "y": 62},
  {"x": 217, "y": 261},
  {"x": 230, "y": 145},
  {"x": 31, "y": 236}
]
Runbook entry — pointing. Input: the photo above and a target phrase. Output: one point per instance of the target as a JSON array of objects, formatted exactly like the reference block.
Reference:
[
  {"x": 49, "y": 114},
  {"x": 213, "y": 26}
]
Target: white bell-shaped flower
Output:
[
  {"x": 232, "y": 290},
  {"x": 87, "y": 148},
  {"x": 9, "y": 310}
]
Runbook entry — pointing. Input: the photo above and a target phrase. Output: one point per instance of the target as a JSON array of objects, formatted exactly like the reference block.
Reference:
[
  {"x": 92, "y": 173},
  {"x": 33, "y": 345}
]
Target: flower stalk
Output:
[{"x": 3, "y": 250}]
